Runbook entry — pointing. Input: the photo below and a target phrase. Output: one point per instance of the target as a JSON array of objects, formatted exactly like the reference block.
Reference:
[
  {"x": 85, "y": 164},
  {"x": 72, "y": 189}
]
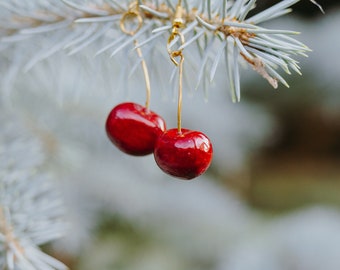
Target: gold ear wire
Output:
[
  {"x": 178, "y": 23},
  {"x": 132, "y": 13}
]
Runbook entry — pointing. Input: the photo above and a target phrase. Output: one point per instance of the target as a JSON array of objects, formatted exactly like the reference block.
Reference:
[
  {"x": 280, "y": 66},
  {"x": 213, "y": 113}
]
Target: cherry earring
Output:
[
  {"x": 182, "y": 153},
  {"x": 131, "y": 127}
]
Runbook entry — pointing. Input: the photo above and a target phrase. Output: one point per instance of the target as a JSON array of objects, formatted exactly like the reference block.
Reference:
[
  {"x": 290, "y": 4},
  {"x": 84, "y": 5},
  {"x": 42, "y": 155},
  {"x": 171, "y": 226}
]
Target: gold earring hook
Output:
[
  {"x": 178, "y": 22},
  {"x": 134, "y": 13}
]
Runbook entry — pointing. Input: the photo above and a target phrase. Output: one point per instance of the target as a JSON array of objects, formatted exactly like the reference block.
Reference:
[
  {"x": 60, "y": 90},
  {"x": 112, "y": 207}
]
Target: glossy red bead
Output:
[
  {"x": 184, "y": 155},
  {"x": 134, "y": 129}
]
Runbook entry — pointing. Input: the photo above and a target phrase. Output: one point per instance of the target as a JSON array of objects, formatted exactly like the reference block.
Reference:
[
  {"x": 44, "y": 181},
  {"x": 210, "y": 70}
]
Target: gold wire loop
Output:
[
  {"x": 173, "y": 54},
  {"x": 131, "y": 14}
]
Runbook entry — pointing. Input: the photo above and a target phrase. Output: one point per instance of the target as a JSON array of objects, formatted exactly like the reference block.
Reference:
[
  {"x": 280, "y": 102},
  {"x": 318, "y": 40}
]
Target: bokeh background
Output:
[{"x": 270, "y": 200}]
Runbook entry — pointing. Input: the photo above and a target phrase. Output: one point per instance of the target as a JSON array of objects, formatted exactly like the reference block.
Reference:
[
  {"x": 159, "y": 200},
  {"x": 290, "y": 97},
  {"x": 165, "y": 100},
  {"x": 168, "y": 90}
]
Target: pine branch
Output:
[
  {"x": 30, "y": 209},
  {"x": 74, "y": 26}
]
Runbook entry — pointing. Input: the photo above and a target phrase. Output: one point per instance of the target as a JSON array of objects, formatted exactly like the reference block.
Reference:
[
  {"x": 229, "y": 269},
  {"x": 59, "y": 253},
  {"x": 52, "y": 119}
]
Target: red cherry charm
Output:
[
  {"x": 184, "y": 155},
  {"x": 134, "y": 129}
]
